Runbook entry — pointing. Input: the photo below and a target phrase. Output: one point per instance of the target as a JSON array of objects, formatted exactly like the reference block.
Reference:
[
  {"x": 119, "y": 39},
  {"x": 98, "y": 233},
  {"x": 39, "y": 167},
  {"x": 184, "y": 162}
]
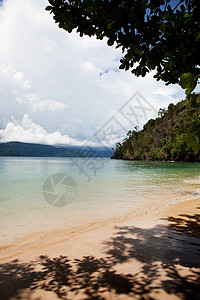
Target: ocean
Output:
[{"x": 38, "y": 195}]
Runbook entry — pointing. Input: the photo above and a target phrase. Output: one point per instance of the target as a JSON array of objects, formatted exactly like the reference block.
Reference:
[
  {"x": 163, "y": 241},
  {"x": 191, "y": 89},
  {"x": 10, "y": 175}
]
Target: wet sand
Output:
[{"x": 154, "y": 254}]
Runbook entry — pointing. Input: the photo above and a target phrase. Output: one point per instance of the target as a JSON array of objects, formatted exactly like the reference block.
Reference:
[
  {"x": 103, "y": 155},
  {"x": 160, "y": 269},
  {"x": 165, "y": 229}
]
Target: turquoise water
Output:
[{"x": 106, "y": 189}]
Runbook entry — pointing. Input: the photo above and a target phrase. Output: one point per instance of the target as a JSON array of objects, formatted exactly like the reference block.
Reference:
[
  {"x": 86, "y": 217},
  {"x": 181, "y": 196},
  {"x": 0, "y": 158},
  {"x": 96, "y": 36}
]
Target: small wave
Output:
[{"x": 193, "y": 182}]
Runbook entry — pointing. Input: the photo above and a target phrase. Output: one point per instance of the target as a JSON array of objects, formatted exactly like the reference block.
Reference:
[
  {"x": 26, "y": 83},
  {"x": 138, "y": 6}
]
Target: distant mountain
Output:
[
  {"x": 39, "y": 150},
  {"x": 173, "y": 135}
]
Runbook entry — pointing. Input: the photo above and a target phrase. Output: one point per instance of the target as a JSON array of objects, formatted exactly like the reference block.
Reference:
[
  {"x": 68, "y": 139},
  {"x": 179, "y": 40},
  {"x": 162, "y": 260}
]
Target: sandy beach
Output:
[{"x": 152, "y": 255}]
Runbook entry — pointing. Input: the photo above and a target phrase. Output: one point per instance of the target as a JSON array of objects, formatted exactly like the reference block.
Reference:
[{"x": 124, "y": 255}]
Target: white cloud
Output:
[
  {"x": 48, "y": 45},
  {"x": 23, "y": 91},
  {"x": 28, "y": 131},
  {"x": 35, "y": 102},
  {"x": 163, "y": 91},
  {"x": 66, "y": 84},
  {"x": 89, "y": 66}
]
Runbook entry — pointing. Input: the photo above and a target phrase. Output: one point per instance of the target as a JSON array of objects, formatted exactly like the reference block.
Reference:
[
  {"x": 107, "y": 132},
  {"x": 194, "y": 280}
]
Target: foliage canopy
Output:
[
  {"x": 160, "y": 35},
  {"x": 174, "y": 135}
]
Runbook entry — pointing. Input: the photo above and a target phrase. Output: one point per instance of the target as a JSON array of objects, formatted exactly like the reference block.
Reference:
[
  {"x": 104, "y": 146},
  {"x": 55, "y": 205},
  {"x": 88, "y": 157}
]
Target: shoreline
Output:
[
  {"x": 144, "y": 214},
  {"x": 151, "y": 255},
  {"x": 41, "y": 241}
]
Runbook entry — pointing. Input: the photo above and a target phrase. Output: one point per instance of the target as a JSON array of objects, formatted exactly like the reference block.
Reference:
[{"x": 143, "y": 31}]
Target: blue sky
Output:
[{"x": 58, "y": 88}]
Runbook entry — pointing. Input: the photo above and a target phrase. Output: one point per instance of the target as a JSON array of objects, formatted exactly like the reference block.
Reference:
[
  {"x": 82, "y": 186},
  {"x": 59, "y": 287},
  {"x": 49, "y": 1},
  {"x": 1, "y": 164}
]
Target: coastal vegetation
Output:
[{"x": 173, "y": 135}]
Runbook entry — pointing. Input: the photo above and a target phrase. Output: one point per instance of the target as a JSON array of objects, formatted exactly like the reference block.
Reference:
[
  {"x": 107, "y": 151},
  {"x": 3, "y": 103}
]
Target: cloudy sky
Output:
[{"x": 58, "y": 88}]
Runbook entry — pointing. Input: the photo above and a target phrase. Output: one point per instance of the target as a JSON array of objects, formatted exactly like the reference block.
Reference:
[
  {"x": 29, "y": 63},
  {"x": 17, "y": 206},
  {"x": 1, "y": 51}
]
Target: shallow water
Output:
[{"x": 106, "y": 189}]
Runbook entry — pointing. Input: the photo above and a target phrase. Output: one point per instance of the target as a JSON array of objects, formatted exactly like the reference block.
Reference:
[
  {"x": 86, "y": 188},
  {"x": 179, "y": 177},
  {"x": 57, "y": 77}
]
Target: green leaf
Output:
[
  {"x": 197, "y": 37},
  {"x": 186, "y": 80},
  {"x": 110, "y": 42},
  {"x": 186, "y": 16},
  {"x": 189, "y": 90},
  {"x": 151, "y": 63},
  {"x": 162, "y": 26},
  {"x": 109, "y": 26},
  {"x": 138, "y": 51},
  {"x": 52, "y": 2},
  {"x": 48, "y": 8},
  {"x": 88, "y": 2},
  {"x": 197, "y": 77}
]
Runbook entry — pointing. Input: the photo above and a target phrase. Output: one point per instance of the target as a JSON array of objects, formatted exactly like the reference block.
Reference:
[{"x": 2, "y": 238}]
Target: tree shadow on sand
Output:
[{"x": 161, "y": 250}]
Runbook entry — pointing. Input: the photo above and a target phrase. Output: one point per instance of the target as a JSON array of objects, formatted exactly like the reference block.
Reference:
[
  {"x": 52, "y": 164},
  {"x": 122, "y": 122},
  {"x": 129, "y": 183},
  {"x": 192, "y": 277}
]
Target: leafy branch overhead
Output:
[{"x": 160, "y": 35}]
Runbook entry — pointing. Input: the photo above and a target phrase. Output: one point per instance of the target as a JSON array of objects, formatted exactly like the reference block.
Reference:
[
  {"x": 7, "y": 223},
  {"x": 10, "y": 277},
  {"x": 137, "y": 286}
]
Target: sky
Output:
[{"x": 58, "y": 88}]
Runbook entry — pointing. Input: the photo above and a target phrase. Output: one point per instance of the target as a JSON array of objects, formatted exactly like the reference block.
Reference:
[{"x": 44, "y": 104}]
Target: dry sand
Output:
[{"x": 154, "y": 254}]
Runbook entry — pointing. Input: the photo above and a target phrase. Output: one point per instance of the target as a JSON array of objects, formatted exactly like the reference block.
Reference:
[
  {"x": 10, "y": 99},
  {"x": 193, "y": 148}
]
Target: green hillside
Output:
[
  {"x": 173, "y": 135},
  {"x": 26, "y": 149},
  {"x": 38, "y": 150}
]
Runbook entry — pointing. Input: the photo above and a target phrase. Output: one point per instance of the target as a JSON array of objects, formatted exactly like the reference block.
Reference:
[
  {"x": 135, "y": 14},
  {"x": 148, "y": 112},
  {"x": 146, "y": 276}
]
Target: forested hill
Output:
[
  {"x": 39, "y": 150},
  {"x": 173, "y": 135}
]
